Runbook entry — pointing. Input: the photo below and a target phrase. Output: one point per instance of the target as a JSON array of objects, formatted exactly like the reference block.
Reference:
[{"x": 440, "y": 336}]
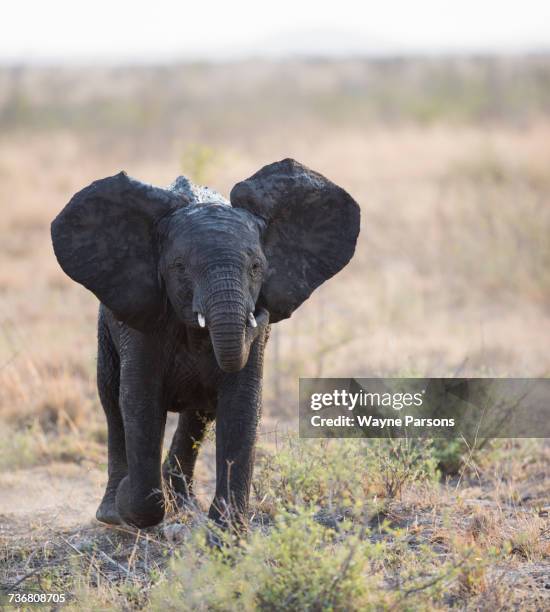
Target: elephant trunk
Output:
[{"x": 226, "y": 317}]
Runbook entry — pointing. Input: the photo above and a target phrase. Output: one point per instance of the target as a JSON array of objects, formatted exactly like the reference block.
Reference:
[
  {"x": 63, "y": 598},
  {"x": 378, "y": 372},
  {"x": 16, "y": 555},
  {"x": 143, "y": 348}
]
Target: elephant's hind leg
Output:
[
  {"x": 180, "y": 463},
  {"x": 108, "y": 383}
]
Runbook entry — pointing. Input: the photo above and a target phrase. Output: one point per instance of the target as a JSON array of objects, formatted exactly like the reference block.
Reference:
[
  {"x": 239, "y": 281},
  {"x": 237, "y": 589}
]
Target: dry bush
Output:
[{"x": 57, "y": 397}]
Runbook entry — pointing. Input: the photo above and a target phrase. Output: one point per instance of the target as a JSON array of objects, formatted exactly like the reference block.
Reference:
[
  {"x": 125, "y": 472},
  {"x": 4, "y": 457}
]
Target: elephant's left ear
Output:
[{"x": 312, "y": 229}]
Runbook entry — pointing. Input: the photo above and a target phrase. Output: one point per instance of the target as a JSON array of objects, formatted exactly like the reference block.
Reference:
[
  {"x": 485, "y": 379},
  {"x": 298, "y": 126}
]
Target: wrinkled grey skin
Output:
[{"x": 156, "y": 258}]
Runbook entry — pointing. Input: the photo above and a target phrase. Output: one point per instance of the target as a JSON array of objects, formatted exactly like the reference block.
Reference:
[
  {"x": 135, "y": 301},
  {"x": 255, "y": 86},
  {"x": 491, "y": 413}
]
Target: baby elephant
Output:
[{"x": 188, "y": 284}]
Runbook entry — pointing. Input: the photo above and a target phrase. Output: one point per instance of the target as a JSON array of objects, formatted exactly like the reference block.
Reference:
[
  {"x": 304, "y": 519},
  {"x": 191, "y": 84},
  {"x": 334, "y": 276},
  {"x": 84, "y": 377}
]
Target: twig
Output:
[
  {"x": 34, "y": 571},
  {"x": 113, "y": 562}
]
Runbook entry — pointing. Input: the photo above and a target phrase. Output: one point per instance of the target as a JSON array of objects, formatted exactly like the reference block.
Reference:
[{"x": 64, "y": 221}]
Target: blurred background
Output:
[{"x": 434, "y": 116}]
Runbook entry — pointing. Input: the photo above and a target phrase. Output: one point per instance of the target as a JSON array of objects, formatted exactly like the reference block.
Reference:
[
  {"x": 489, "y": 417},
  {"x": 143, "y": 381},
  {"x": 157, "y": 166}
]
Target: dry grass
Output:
[{"x": 451, "y": 276}]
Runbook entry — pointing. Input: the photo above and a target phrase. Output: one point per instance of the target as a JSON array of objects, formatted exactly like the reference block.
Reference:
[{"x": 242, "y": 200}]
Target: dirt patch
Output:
[{"x": 58, "y": 495}]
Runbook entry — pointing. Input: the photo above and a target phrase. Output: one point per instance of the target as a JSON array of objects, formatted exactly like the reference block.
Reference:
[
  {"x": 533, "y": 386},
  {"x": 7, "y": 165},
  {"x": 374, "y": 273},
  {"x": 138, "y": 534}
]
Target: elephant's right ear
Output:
[{"x": 106, "y": 239}]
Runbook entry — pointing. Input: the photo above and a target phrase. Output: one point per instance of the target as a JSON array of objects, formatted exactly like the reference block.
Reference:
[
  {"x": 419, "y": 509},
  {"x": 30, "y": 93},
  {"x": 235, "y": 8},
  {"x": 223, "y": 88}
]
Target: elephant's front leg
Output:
[
  {"x": 237, "y": 418},
  {"x": 139, "y": 498}
]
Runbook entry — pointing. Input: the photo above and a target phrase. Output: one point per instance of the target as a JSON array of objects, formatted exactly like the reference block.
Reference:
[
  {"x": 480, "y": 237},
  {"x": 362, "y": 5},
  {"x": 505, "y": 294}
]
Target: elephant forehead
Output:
[{"x": 211, "y": 221}]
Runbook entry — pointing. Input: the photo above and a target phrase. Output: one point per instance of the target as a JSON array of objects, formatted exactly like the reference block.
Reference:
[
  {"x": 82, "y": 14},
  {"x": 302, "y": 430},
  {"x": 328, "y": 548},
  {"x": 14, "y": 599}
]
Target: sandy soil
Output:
[{"x": 59, "y": 495}]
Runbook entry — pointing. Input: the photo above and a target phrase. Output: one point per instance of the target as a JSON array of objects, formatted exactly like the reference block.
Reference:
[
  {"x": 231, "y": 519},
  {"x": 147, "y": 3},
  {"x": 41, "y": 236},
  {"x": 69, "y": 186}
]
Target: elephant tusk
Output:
[
  {"x": 201, "y": 319},
  {"x": 252, "y": 320}
]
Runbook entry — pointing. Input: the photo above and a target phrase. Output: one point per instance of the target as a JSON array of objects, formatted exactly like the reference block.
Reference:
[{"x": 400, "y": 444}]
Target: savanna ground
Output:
[{"x": 450, "y": 161}]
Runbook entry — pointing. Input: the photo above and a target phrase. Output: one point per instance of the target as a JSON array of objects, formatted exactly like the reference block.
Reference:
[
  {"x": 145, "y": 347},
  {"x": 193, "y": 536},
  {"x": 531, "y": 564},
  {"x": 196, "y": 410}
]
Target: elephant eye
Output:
[
  {"x": 177, "y": 264},
  {"x": 256, "y": 269}
]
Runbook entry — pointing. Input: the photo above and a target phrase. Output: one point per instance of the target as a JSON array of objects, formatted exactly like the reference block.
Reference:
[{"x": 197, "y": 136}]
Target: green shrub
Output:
[
  {"x": 298, "y": 565},
  {"x": 301, "y": 565},
  {"x": 341, "y": 475},
  {"x": 314, "y": 473}
]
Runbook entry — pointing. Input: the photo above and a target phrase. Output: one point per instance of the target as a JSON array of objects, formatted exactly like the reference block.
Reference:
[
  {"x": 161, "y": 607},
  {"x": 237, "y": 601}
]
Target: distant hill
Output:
[{"x": 232, "y": 96}]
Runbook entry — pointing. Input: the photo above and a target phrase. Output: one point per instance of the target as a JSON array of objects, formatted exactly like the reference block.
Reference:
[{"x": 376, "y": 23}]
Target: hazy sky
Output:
[{"x": 157, "y": 30}]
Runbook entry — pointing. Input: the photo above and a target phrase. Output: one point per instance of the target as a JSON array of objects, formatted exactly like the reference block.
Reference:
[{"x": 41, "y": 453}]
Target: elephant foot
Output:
[
  {"x": 139, "y": 510},
  {"x": 107, "y": 512}
]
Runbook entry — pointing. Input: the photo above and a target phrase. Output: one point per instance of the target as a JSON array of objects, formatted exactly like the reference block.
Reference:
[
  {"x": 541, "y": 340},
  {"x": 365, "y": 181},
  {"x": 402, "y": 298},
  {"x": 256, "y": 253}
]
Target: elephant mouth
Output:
[{"x": 251, "y": 319}]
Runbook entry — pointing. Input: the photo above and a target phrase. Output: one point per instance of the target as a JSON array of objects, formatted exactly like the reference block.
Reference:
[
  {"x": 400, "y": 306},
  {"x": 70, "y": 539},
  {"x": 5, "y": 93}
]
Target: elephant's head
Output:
[{"x": 144, "y": 250}]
